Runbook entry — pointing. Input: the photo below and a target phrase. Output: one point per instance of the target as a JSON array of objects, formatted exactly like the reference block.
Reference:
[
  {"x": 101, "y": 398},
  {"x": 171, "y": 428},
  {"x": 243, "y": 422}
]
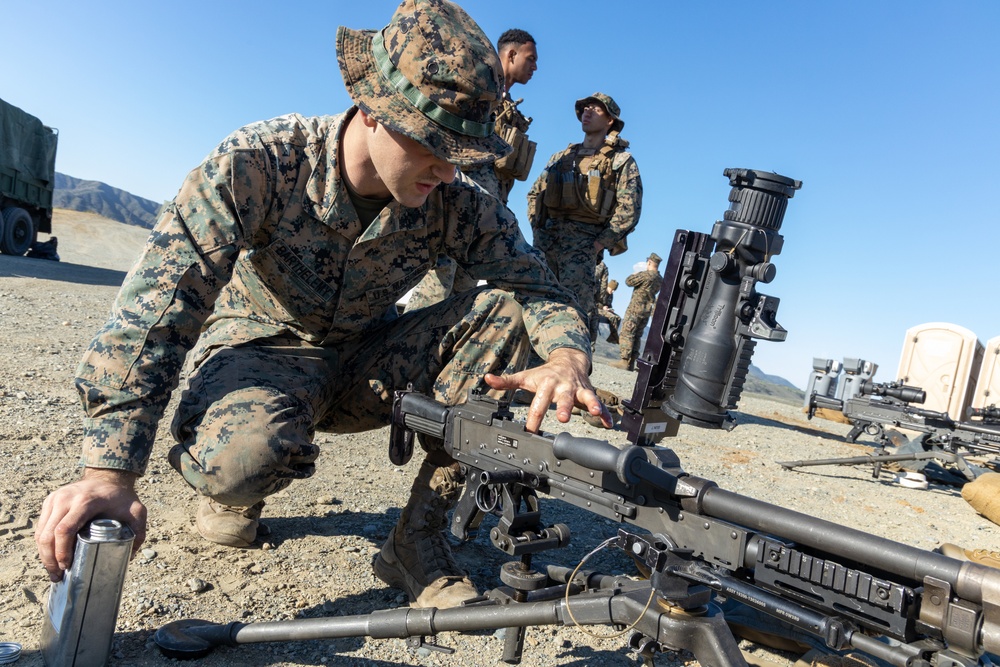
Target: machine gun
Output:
[
  {"x": 878, "y": 405},
  {"x": 695, "y": 541}
]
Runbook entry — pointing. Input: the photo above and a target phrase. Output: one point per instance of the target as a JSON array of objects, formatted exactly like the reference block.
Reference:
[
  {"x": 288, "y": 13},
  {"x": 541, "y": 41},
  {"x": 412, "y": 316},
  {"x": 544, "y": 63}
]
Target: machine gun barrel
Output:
[{"x": 855, "y": 545}]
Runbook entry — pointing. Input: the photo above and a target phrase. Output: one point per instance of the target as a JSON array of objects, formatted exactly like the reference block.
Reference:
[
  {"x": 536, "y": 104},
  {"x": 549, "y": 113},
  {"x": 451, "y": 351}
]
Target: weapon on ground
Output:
[
  {"x": 988, "y": 415},
  {"x": 878, "y": 405},
  {"x": 697, "y": 542}
]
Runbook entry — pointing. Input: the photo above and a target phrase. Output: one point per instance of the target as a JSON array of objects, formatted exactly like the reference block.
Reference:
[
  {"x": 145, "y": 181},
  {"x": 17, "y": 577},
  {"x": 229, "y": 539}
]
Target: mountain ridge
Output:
[{"x": 109, "y": 202}]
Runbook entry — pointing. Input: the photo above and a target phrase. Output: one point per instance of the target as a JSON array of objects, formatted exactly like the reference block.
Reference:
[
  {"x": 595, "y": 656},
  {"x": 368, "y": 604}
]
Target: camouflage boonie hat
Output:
[
  {"x": 609, "y": 105},
  {"x": 430, "y": 75},
  {"x": 653, "y": 257}
]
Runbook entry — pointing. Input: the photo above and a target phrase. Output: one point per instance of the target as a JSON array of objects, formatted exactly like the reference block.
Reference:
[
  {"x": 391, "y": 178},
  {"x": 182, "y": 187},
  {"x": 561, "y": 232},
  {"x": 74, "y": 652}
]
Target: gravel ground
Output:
[{"x": 326, "y": 529}]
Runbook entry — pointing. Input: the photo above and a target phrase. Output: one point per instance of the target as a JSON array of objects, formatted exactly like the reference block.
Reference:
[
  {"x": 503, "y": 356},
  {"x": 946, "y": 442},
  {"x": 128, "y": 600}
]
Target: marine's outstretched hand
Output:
[{"x": 561, "y": 380}]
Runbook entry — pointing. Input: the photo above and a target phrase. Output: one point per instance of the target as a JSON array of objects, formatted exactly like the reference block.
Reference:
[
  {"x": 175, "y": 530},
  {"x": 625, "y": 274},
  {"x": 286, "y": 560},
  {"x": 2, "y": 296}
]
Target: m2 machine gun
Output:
[
  {"x": 878, "y": 405},
  {"x": 695, "y": 541}
]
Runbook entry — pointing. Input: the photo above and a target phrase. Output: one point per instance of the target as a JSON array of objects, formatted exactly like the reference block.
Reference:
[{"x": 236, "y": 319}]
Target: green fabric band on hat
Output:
[{"x": 419, "y": 100}]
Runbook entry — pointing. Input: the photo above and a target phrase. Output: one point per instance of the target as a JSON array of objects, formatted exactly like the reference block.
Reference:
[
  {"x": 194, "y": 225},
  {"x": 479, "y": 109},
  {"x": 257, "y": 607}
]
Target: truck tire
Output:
[{"x": 18, "y": 231}]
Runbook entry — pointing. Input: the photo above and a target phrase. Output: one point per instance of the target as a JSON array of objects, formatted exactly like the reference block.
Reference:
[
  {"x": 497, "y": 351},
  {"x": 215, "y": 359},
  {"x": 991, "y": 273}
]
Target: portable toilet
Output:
[
  {"x": 988, "y": 383},
  {"x": 942, "y": 359}
]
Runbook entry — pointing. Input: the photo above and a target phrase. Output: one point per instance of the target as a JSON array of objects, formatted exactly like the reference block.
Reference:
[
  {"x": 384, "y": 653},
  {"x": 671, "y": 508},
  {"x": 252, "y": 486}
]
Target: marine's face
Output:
[
  {"x": 407, "y": 170},
  {"x": 524, "y": 62},
  {"x": 595, "y": 118}
]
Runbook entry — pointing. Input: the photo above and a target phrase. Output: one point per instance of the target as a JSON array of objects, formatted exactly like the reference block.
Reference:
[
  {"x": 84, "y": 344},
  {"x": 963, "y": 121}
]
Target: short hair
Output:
[{"x": 514, "y": 36}]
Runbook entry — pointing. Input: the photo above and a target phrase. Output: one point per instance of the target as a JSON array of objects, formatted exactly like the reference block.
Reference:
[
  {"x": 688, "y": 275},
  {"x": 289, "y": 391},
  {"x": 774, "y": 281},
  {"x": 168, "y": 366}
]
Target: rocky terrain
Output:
[{"x": 325, "y": 530}]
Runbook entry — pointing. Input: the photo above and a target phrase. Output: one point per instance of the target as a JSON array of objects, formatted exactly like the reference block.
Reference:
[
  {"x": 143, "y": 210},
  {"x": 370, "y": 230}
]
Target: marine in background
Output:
[
  {"x": 645, "y": 286},
  {"x": 519, "y": 59},
  {"x": 603, "y": 300},
  {"x": 587, "y": 199}
]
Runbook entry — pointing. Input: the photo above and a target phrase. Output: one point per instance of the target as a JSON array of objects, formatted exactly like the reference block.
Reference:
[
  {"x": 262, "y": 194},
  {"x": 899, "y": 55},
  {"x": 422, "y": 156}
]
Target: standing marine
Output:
[
  {"x": 519, "y": 60},
  {"x": 606, "y": 313},
  {"x": 587, "y": 199},
  {"x": 603, "y": 298},
  {"x": 645, "y": 286}
]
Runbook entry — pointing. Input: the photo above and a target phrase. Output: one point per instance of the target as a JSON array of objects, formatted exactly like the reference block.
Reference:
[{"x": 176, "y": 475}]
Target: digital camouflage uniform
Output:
[
  {"x": 261, "y": 267},
  {"x": 582, "y": 197},
  {"x": 645, "y": 285},
  {"x": 602, "y": 306},
  {"x": 498, "y": 178},
  {"x": 603, "y": 300},
  {"x": 601, "y": 283}
]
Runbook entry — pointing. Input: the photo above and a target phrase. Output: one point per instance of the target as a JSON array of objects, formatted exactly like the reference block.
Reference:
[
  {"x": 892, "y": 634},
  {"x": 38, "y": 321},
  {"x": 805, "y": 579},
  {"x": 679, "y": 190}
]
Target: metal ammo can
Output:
[{"x": 82, "y": 609}]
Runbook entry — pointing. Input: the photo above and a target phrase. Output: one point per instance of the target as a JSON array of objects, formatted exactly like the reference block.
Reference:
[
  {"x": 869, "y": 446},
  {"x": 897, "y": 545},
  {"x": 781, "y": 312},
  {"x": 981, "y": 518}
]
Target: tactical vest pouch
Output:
[
  {"x": 518, "y": 163},
  {"x": 607, "y": 200},
  {"x": 560, "y": 190}
]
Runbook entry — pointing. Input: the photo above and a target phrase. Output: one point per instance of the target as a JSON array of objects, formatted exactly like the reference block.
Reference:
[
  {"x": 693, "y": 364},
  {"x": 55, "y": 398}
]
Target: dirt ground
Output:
[{"x": 326, "y": 529}]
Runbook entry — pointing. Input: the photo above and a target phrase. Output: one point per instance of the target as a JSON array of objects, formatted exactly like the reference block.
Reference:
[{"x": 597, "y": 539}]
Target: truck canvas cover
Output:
[{"x": 26, "y": 145}]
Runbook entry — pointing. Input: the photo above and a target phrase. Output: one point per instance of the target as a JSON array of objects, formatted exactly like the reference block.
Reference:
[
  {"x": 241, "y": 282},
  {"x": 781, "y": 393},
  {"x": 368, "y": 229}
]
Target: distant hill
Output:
[
  {"x": 773, "y": 386},
  {"x": 96, "y": 197}
]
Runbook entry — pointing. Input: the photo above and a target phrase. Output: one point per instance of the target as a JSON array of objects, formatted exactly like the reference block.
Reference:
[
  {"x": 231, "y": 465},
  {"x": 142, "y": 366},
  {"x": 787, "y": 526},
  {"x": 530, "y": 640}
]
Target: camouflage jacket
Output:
[
  {"x": 624, "y": 188},
  {"x": 645, "y": 286},
  {"x": 262, "y": 240}
]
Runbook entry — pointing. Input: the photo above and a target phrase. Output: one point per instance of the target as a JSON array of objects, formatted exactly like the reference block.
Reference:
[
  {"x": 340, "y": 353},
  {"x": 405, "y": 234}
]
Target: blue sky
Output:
[{"x": 888, "y": 112}]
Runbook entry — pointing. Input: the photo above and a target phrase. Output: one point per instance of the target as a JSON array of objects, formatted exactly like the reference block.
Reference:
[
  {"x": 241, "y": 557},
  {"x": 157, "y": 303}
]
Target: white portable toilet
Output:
[
  {"x": 988, "y": 383},
  {"x": 942, "y": 359}
]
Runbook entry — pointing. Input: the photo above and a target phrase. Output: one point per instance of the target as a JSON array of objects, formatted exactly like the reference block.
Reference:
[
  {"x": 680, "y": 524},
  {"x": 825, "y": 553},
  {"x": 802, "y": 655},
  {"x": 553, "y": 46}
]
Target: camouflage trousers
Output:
[
  {"x": 569, "y": 252},
  {"x": 608, "y": 316},
  {"x": 630, "y": 338},
  {"x": 445, "y": 279},
  {"x": 246, "y": 421}
]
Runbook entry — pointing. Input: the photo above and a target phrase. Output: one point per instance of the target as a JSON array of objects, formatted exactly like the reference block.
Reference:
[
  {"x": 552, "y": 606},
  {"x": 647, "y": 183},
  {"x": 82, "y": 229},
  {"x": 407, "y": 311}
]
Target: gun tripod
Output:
[{"x": 667, "y": 612}]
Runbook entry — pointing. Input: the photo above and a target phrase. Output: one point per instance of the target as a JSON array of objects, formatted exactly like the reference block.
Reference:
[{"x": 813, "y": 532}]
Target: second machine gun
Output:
[
  {"x": 851, "y": 590},
  {"x": 879, "y": 405}
]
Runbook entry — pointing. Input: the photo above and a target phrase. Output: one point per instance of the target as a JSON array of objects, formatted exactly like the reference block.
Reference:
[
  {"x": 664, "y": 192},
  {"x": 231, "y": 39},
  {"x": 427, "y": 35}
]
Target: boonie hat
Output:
[
  {"x": 430, "y": 75},
  {"x": 653, "y": 257},
  {"x": 609, "y": 105}
]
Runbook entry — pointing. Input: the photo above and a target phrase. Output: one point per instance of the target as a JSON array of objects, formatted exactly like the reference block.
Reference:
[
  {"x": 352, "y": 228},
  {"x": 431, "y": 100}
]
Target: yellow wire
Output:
[{"x": 582, "y": 628}]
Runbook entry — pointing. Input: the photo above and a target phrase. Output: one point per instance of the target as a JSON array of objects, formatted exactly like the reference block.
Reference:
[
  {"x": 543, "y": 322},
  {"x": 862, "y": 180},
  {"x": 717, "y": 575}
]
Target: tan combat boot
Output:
[
  {"x": 230, "y": 526},
  {"x": 620, "y": 363},
  {"x": 417, "y": 557}
]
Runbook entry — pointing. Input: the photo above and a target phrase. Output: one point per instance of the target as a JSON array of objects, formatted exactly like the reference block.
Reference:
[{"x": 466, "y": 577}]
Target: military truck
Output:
[{"x": 27, "y": 178}]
